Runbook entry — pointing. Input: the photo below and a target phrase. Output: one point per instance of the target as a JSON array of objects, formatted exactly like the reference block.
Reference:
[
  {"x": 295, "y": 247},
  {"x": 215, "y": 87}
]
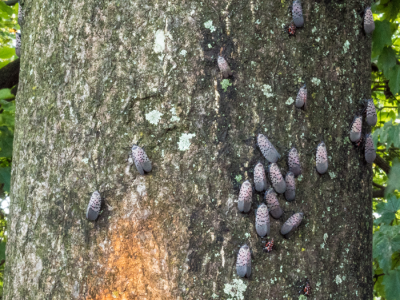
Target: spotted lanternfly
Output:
[
  {"x": 294, "y": 162},
  {"x": 301, "y": 99},
  {"x": 307, "y": 289},
  {"x": 291, "y": 29},
  {"x": 93, "y": 209},
  {"x": 21, "y": 15},
  {"x": 369, "y": 149},
  {"x": 276, "y": 178},
  {"x": 245, "y": 196},
  {"x": 243, "y": 262},
  {"x": 291, "y": 224},
  {"x": 141, "y": 160},
  {"x": 290, "y": 193},
  {"x": 371, "y": 116},
  {"x": 262, "y": 220},
  {"x": 321, "y": 160},
  {"x": 356, "y": 127},
  {"x": 297, "y": 13},
  {"x": 369, "y": 24},
  {"x": 223, "y": 66},
  {"x": 260, "y": 179},
  {"x": 18, "y": 44},
  {"x": 267, "y": 149},
  {"x": 268, "y": 246},
  {"x": 273, "y": 204}
]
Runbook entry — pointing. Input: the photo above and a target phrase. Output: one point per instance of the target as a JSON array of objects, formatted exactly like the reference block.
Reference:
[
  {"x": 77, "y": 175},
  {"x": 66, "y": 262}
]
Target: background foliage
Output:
[{"x": 385, "y": 85}]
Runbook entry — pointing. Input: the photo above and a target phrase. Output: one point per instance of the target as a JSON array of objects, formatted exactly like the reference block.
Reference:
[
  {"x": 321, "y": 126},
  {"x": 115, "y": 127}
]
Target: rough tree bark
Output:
[{"x": 97, "y": 76}]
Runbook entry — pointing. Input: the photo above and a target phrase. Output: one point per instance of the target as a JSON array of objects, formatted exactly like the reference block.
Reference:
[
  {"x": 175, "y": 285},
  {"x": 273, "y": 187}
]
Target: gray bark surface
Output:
[{"x": 98, "y": 76}]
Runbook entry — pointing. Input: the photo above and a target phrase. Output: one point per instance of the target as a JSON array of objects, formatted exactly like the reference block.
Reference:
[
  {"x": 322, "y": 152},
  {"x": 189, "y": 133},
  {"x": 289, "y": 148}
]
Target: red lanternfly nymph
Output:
[
  {"x": 307, "y": 289},
  {"x": 291, "y": 29},
  {"x": 268, "y": 246}
]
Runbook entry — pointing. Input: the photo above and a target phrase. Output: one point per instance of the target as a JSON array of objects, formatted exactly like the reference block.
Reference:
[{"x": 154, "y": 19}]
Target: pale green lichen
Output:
[
  {"x": 235, "y": 290},
  {"x": 338, "y": 280},
  {"x": 159, "y": 41},
  {"x": 225, "y": 84},
  {"x": 174, "y": 118},
  {"x": 325, "y": 237},
  {"x": 316, "y": 81},
  {"x": 184, "y": 141},
  {"x": 209, "y": 25},
  {"x": 238, "y": 178},
  {"x": 302, "y": 297},
  {"x": 267, "y": 89},
  {"x": 183, "y": 53},
  {"x": 332, "y": 175},
  {"x": 346, "y": 46},
  {"x": 153, "y": 117},
  {"x": 289, "y": 101}
]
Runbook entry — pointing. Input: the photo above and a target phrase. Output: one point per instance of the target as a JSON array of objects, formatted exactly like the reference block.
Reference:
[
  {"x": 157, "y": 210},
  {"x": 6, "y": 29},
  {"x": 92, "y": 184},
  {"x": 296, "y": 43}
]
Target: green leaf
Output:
[
  {"x": 387, "y": 210},
  {"x": 6, "y": 52},
  {"x": 6, "y": 142},
  {"x": 2, "y": 250},
  {"x": 394, "y": 79},
  {"x": 5, "y": 10},
  {"x": 8, "y": 106},
  {"x": 5, "y": 178},
  {"x": 6, "y": 94},
  {"x": 394, "y": 177},
  {"x": 381, "y": 37},
  {"x": 391, "y": 281},
  {"x": 387, "y": 59},
  {"x": 386, "y": 242}
]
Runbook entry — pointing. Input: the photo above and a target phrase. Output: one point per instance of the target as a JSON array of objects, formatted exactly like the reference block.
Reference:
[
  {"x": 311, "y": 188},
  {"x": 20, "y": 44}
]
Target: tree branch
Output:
[
  {"x": 378, "y": 193},
  {"x": 381, "y": 163},
  {"x": 9, "y": 75},
  {"x": 11, "y": 2}
]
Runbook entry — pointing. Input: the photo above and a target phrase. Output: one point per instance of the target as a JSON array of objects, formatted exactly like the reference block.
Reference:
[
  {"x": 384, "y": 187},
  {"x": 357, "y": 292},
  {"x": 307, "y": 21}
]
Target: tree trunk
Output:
[{"x": 97, "y": 76}]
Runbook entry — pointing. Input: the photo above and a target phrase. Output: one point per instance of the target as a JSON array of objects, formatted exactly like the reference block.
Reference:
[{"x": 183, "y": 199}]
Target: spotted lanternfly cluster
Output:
[
  {"x": 142, "y": 162},
  {"x": 276, "y": 178},
  {"x": 223, "y": 66},
  {"x": 301, "y": 99},
  {"x": 369, "y": 24},
  {"x": 260, "y": 179},
  {"x": 274, "y": 207},
  {"x": 369, "y": 149},
  {"x": 370, "y": 112},
  {"x": 18, "y": 44},
  {"x": 245, "y": 197},
  {"x": 297, "y": 13},
  {"x": 93, "y": 208},
  {"x": 321, "y": 159},
  {"x": 268, "y": 246},
  {"x": 291, "y": 224},
  {"x": 243, "y": 262},
  {"x": 262, "y": 220},
  {"x": 294, "y": 162},
  {"x": 356, "y": 128},
  {"x": 267, "y": 149}
]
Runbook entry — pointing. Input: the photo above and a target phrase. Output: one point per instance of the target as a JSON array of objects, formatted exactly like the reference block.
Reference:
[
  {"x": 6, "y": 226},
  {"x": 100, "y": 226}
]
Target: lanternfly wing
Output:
[
  {"x": 18, "y": 44},
  {"x": 262, "y": 220},
  {"x": 297, "y": 13},
  {"x": 292, "y": 223},
  {"x": 294, "y": 162},
  {"x": 276, "y": 178},
  {"x": 273, "y": 204},
  {"x": 301, "y": 99},
  {"x": 290, "y": 193},
  {"x": 245, "y": 197},
  {"x": 356, "y": 127},
  {"x": 93, "y": 209},
  {"x": 243, "y": 262},
  {"x": 260, "y": 179},
  {"x": 321, "y": 158},
  {"x": 370, "y": 153},
  {"x": 267, "y": 149},
  {"x": 141, "y": 160},
  {"x": 369, "y": 24},
  {"x": 224, "y": 67},
  {"x": 21, "y": 15},
  {"x": 371, "y": 117}
]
